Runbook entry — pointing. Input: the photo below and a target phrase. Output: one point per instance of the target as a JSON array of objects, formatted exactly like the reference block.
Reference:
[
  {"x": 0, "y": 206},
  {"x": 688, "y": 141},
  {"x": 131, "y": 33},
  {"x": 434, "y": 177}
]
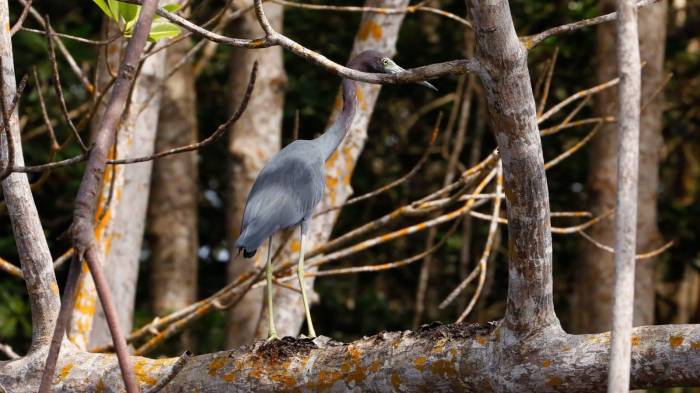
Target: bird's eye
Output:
[{"x": 385, "y": 61}]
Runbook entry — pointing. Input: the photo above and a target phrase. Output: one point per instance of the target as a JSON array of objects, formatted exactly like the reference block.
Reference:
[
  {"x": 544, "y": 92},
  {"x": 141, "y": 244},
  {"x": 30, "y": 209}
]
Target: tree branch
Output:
[{"x": 86, "y": 200}]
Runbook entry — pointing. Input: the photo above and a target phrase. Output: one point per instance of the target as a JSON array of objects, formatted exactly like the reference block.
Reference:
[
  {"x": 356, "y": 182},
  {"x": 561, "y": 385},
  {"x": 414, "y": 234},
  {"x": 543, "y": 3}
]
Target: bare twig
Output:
[
  {"x": 646, "y": 255},
  {"x": 57, "y": 83},
  {"x": 6, "y": 114},
  {"x": 22, "y": 16},
  {"x": 171, "y": 374},
  {"x": 380, "y": 10},
  {"x": 487, "y": 248},
  {"x": 9, "y": 352},
  {"x": 548, "y": 82},
  {"x": 533, "y": 40},
  {"x": 10, "y": 268}
]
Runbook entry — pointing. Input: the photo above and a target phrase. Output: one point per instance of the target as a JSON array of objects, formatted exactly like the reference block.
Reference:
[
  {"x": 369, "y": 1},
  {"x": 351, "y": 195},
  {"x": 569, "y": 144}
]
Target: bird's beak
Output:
[{"x": 393, "y": 68}]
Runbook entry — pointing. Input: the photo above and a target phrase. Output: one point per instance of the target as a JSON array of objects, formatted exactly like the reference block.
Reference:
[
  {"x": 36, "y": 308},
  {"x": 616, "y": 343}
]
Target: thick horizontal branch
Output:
[{"x": 458, "y": 358}]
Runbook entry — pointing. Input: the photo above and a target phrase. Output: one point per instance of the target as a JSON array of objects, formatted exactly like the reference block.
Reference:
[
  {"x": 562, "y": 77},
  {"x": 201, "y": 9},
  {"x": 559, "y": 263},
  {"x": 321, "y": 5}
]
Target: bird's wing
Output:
[{"x": 287, "y": 190}]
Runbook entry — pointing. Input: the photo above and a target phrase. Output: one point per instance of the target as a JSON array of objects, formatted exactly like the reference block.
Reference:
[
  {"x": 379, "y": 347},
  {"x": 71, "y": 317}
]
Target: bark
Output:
[
  {"x": 380, "y": 32},
  {"x": 122, "y": 205},
  {"x": 593, "y": 290},
  {"x": 630, "y": 91},
  {"x": 254, "y": 139},
  {"x": 32, "y": 247},
  {"x": 453, "y": 358},
  {"x": 172, "y": 222}
]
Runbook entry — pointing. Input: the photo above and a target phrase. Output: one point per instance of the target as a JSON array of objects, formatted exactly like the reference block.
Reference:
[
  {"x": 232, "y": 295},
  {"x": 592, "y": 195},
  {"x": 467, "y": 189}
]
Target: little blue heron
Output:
[{"x": 291, "y": 184}]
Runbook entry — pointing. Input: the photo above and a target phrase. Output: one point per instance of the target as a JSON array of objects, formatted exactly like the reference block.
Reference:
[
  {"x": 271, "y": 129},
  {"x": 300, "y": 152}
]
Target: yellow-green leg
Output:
[
  {"x": 300, "y": 274},
  {"x": 271, "y": 332}
]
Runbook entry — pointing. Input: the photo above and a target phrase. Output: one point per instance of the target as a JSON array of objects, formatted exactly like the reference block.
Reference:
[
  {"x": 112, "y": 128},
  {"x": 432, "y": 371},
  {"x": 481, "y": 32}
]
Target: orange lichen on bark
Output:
[
  {"x": 675, "y": 341},
  {"x": 142, "y": 370},
  {"x": 375, "y": 366},
  {"x": 296, "y": 245},
  {"x": 100, "y": 387},
  {"x": 695, "y": 345},
  {"x": 553, "y": 381},
  {"x": 361, "y": 98},
  {"x": 635, "y": 341},
  {"x": 396, "y": 381},
  {"x": 352, "y": 366},
  {"x": 63, "y": 373},
  {"x": 546, "y": 363},
  {"x": 326, "y": 380},
  {"x": 445, "y": 368},
  {"x": 216, "y": 365},
  {"x": 420, "y": 362},
  {"x": 370, "y": 28}
]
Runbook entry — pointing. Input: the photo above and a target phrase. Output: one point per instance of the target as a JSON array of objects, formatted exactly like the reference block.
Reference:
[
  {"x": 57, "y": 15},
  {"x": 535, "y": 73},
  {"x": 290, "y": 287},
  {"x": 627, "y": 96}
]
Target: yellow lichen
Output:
[{"x": 675, "y": 341}]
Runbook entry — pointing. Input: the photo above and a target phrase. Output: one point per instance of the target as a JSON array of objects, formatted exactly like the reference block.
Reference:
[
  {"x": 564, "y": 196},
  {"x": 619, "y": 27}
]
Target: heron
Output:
[{"x": 292, "y": 182}]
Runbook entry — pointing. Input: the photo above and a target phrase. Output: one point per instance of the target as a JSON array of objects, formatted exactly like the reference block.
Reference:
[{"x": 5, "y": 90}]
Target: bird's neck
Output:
[{"x": 332, "y": 137}]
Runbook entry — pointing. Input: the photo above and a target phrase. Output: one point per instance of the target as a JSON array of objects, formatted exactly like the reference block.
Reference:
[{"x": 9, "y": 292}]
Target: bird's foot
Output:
[
  {"x": 272, "y": 337},
  {"x": 311, "y": 336}
]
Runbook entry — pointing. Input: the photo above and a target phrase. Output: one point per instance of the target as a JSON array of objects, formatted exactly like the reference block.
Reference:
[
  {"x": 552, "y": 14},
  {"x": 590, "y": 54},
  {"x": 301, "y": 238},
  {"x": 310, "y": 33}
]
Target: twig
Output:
[
  {"x": 533, "y": 40},
  {"x": 6, "y": 114},
  {"x": 487, "y": 248},
  {"x": 380, "y": 10},
  {"x": 57, "y": 83},
  {"x": 10, "y": 268},
  {"x": 646, "y": 255},
  {"x": 547, "y": 82},
  {"x": 555, "y": 230},
  {"x": 9, "y": 352},
  {"x": 20, "y": 20},
  {"x": 76, "y": 38},
  {"x": 573, "y": 149},
  {"x": 62, "y": 48},
  {"x": 576, "y": 96},
  {"x": 171, "y": 374}
]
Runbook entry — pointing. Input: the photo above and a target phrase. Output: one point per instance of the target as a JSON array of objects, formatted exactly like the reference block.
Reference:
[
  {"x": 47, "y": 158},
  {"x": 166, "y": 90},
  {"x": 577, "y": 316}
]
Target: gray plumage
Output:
[{"x": 292, "y": 183}]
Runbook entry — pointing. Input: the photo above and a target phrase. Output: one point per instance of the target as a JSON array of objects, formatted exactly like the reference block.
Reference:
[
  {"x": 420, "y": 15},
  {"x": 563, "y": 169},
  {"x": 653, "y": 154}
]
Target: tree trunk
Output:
[
  {"x": 123, "y": 206},
  {"x": 254, "y": 139},
  {"x": 377, "y": 31},
  {"x": 172, "y": 215},
  {"x": 32, "y": 248},
  {"x": 592, "y": 311}
]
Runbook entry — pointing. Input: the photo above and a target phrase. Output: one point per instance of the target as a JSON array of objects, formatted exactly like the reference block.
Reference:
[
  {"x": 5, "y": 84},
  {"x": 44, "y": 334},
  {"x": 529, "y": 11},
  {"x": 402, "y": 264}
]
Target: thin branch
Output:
[
  {"x": 75, "y": 38},
  {"x": 57, "y": 83},
  {"x": 493, "y": 228},
  {"x": 9, "y": 267},
  {"x": 22, "y": 17},
  {"x": 547, "y": 82},
  {"x": 171, "y": 374},
  {"x": 380, "y": 10},
  {"x": 9, "y": 352},
  {"x": 533, "y": 40},
  {"x": 646, "y": 255},
  {"x": 6, "y": 114}
]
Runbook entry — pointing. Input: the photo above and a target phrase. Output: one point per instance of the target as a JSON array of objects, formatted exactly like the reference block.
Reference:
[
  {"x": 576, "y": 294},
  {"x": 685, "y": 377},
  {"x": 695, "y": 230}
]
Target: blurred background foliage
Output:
[{"x": 363, "y": 304}]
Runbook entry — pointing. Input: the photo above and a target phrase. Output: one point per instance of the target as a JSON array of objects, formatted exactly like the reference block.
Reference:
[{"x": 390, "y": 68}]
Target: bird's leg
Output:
[
  {"x": 271, "y": 332},
  {"x": 300, "y": 274}
]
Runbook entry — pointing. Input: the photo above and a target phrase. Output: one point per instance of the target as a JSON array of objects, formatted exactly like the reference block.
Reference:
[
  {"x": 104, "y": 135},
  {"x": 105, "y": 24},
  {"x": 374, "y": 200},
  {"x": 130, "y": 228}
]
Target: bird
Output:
[{"x": 292, "y": 183}]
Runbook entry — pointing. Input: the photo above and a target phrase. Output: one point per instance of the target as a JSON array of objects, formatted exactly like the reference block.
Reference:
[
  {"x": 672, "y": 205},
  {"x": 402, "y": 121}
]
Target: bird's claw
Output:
[{"x": 271, "y": 338}]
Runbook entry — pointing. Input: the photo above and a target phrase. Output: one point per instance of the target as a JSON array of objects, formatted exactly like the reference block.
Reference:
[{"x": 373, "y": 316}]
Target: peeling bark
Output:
[
  {"x": 172, "y": 216},
  {"x": 380, "y": 32},
  {"x": 593, "y": 288},
  {"x": 32, "y": 247},
  {"x": 254, "y": 139}
]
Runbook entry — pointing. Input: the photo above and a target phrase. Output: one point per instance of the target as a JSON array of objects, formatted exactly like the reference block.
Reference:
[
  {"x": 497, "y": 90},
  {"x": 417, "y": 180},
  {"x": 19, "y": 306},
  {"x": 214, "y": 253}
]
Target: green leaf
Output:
[
  {"x": 162, "y": 29},
  {"x": 104, "y": 7},
  {"x": 172, "y": 7},
  {"x": 129, "y": 12},
  {"x": 114, "y": 8}
]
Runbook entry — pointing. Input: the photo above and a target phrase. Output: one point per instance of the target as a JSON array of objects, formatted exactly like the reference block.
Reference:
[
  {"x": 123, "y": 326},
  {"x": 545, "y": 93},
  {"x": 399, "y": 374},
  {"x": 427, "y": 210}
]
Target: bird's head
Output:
[{"x": 375, "y": 61}]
